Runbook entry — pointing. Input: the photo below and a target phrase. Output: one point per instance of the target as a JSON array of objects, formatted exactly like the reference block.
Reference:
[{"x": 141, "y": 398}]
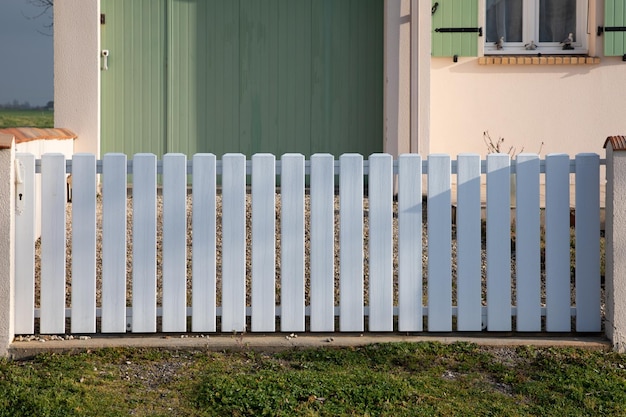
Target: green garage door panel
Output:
[
  {"x": 133, "y": 88},
  {"x": 268, "y": 76},
  {"x": 204, "y": 83},
  {"x": 347, "y": 74}
]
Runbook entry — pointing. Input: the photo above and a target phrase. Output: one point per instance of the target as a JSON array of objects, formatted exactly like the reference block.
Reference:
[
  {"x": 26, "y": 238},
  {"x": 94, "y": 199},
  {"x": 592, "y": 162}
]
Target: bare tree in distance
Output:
[{"x": 46, "y": 10}]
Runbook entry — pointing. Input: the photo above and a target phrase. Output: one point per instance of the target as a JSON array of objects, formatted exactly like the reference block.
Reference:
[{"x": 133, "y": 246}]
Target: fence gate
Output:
[{"x": 222, "y": 257}]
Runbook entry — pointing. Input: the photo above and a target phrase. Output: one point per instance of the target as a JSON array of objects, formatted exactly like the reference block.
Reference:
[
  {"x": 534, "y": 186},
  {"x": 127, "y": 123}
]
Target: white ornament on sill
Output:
[
  {"x": 499, "y": 44},
  {"x": 531, "y": 46}
]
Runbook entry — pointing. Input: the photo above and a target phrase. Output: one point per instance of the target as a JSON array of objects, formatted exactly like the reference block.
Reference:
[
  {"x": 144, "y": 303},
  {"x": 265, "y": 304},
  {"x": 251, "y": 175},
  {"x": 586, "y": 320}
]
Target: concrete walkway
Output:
[{"x": 280, "y": 342}]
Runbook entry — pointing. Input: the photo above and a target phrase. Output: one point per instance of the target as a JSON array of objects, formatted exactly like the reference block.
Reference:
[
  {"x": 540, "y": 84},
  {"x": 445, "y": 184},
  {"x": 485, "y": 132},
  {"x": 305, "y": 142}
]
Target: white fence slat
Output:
[
  {"x": 25, "y": 246},
  {"x": 292, "y": 317},
  {"x": 439, "y": 244},
  {"x": 322, "y": 318},
  {"x": 53, "y": 244},
  {"x": 114, "y": 184},
  {"x": 351, "y": 243},
  {"x": 84, "y": 243},
  {"x": 558, "y": 318},
  {"x": 380, "y": 243},
  {"x": 409, "y": 248},
  {"x": 263, "y": 243},
  {"x": 528, "y": 244},
  {"x": 144, "y": 243},
  {"x": 469, "y": 316},
  {"x": 174, "y": 255},
  {"x": 233, "y": 242},
  {"x": 588, "y": 317},
  {"x": 498, "y": 242},
  {"x": 203, "y": 294}
]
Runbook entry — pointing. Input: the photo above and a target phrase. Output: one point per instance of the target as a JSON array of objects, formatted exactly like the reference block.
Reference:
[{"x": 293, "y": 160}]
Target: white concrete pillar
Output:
[
  {"x": 7, "y": 232},
  {"x": 615, "y": 272},
  {"x": 77, "y": 71},
  {"x": 421, "y": 22},
  {"x": 397, "y": 98}
]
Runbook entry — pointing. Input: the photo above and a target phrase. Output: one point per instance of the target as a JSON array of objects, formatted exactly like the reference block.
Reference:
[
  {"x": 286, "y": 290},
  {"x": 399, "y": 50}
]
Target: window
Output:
[{"x": 536, "y": 26}]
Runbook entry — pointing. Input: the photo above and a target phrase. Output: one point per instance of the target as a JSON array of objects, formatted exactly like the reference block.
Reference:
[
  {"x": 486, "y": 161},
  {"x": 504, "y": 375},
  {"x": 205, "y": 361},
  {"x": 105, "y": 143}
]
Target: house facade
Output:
[
  {"x": 531, "y": 89},
  {"x": 339, "y": 76}
]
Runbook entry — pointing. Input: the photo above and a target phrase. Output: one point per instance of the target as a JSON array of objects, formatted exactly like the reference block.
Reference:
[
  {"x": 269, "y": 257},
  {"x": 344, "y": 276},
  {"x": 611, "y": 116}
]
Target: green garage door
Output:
[{"x": 242, "y": 76}]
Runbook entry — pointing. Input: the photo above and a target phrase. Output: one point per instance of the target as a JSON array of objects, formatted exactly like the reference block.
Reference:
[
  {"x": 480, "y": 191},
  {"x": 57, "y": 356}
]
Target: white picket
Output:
[
  {"x": 351, "y": 243},
  {"x": 558, "y": 318},
  {"x": 114, "y": 193},
  {"x": 380, "y": 243},
  {"x": 292, "y": 239},
  {"x": 469, "y": 316},
  {"x": 409, "y": 248},
  {"x": 263, "y": 243},
  {"x": 144, "y": 243},
  {"x": 292, "y": 317},
  {"x": 84, "y": 243},
  {"x": 204, "y": 234},
  {"x": 498, "y": 243},
  {"x": 233, "y": 242},
  {"x": 439, "y": 244},
  {"x": 53, "y": 244},
  {"x": 25, "y": 244},
  {"x": 528, "y": 244},
  {"x": 322, "y": 316},
  {"x": 174, "y": 255},
  {"x": 588, "y": 285}
]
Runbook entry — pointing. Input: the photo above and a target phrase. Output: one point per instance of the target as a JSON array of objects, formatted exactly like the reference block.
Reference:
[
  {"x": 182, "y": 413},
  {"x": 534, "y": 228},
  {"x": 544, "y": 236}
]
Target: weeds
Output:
[
  {"x": 498, "y": 146},
  {"x": 398, "y": 379}
]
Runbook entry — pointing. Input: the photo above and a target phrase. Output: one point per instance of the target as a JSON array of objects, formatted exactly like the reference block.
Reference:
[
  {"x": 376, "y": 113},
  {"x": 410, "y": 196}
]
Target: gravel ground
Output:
[{"x": 248, "y": 254}]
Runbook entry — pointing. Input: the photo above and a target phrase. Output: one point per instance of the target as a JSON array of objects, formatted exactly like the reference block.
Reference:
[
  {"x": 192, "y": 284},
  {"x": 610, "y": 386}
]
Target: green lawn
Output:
[
  {"x": 26, "y": 118},
  {"x": 403, "y": 379}
]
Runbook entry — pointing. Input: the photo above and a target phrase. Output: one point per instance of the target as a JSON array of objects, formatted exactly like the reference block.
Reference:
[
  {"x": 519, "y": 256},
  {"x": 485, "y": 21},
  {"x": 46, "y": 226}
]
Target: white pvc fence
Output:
[{"x": 422, "y": 304}]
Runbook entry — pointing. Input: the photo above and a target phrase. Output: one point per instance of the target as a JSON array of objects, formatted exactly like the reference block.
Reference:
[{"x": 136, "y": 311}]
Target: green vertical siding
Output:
[
  {"x": 347, "y": 70},
  {"x": 204, "y": 76},
  {"x": 250, "y": 76},
  {"x": 294, "y": 74},
  {"x": 133, "y": 89},
  {"x": 614, "y": 15},
  {"x": 258, "y": 125},
  {"x": 455, "y": 14}
]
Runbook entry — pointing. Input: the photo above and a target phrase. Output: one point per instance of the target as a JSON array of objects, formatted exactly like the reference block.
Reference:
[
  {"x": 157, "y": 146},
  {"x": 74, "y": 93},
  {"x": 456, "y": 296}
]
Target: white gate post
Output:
[
  {"x": 615, "y": 273},
  {"x": 7, "y": 233}
]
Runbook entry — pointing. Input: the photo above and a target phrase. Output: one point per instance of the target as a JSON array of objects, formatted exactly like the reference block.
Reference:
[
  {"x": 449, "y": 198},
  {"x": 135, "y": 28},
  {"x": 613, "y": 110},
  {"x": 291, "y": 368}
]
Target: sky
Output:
[{"x": 26, "y": 54}]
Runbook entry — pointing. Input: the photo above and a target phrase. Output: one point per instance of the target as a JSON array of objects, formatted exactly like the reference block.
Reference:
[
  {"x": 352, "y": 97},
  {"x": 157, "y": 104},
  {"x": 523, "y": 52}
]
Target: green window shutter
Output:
[
  {"x": 449, "y": 18},
  {"x": 614, "y": 17}
]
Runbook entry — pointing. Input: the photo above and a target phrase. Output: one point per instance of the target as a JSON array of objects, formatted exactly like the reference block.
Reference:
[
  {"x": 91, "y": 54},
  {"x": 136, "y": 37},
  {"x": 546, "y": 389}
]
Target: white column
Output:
[
  {"x": 615, "y": 273},
  {"x": 397, "y": 96},
  {"x": 7, "y": 228},
  {"x": 420, "y": 76},
  {"x": 77, "y": 71}
]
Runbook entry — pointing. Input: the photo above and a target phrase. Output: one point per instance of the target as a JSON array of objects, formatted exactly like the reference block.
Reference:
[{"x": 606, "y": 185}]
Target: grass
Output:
[
  {"x": 26, "y": 118},
  {"x": 401, "y": 379}
]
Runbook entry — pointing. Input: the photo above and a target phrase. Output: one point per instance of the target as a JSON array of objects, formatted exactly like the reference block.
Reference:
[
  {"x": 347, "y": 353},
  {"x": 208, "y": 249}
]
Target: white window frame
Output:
[{"x": 530, "y": 32}]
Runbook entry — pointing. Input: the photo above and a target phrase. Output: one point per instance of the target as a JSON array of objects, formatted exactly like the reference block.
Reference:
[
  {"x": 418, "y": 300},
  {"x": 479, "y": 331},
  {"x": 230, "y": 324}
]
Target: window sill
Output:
[{"x": 536, "y": 60}]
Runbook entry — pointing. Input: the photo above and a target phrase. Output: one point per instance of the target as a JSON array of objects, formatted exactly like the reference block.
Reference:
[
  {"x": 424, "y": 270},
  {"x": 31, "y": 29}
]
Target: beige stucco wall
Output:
[
  {"x": 571, "y": 108},
  {"x": 77, "y": 71}
]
